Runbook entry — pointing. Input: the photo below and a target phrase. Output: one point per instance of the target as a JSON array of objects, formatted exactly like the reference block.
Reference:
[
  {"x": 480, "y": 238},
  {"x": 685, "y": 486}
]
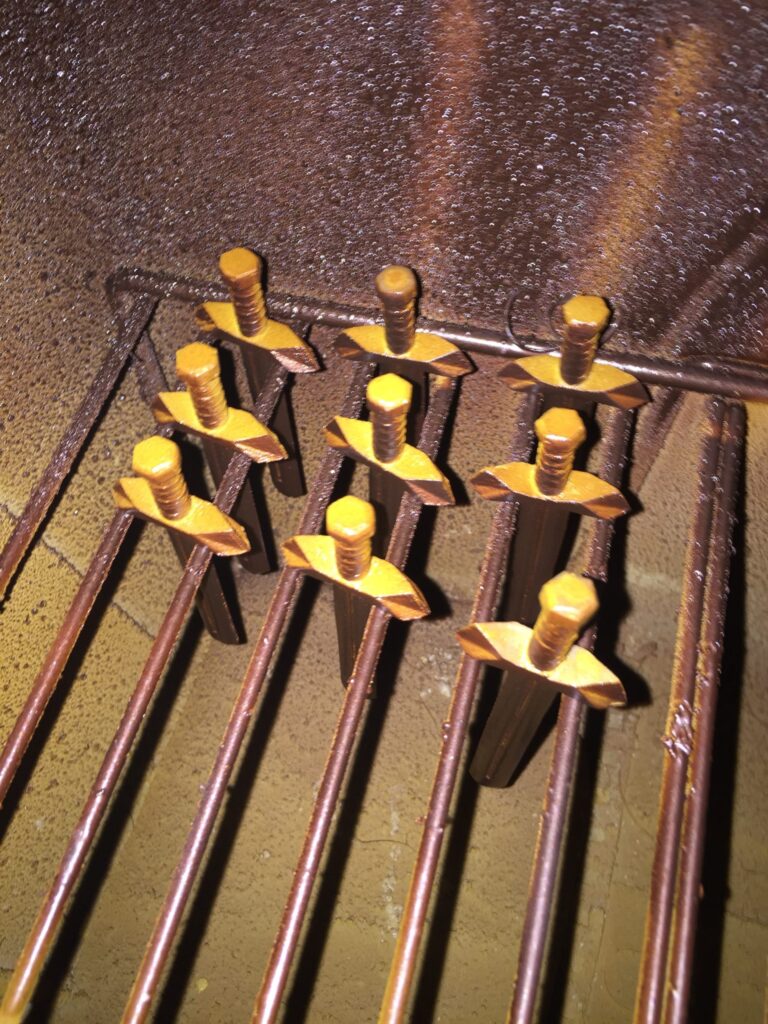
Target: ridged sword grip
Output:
[
  {"x": 397, "y": 287},
  {"x": 197, "y": 365},
  {"x": 352, "y": 523},
  {"x": 560, "y": 433},
  {"x": 389, "y": 399},
  {"x": 585, "y": 318},
  {"x": 568, "y": 602},
  {"x": 241, "y": 269},
  {"x": 158, "y": 460}
]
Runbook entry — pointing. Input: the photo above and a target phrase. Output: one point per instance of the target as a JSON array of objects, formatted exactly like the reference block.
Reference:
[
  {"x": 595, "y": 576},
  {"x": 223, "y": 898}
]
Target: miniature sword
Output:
[
  {"x": 344, "y": 559},
  {"x": 159, "y": 493},
  {"x": 543, "y": 661},
  {"x": 548, "y": 493},
  {"x": 394, "y": 466},
  {"x": 202, "y": 410},
  {"x": 398, "y": 346},
  {"x": 245, "y": 321}
]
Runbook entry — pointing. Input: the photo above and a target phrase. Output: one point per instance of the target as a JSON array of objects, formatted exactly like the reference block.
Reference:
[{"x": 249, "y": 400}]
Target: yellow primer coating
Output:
[
  {"x": 398, "y": 283},
  {"x": 389, "y": 400},
  {"x": 159, "y": 493},
  {"x": 560, "y": 432},
  {"x": 203, "y": 409},
  {"x": 605, "y": 384},
  {"x": 587, "y": 313},
  {"x": 568, "y": 602},
  {"x": 344, "y": 558},
  {"x": 352, "y": 523}
]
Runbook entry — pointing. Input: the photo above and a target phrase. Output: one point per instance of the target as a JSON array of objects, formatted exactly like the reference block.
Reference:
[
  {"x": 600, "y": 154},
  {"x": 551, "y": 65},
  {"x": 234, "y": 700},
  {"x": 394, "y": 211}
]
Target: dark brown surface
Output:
[{"x": 616, "y": 150}]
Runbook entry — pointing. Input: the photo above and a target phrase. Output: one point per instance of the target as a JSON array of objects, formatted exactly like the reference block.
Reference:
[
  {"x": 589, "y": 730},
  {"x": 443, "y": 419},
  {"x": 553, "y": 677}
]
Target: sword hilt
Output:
[
  {"x": 158, "y": 460},
  {"x": 397, "y": 287},
  {"x": 241, "y": 269},
  {"x": 197, "y": 365},
  {"x": 560, "y": 433},
  {"x": 352, "y": 523},
  {"x": 585, "y": 318},
  {"x": 389, "y": 399},
  {"x": 568, "y": 602}
]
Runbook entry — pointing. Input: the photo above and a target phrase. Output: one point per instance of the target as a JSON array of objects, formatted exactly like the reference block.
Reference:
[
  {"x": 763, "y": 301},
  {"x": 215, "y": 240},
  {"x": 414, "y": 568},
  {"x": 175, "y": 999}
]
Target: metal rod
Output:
[
  {"x": 708, "y": 677},
  {"x": 486, "y": 601},
  {"x": 168, "y": 921},
  {"x": 30, "y": 962},
  {"x": 347, "y": 727},
  {"x": 746, "y": 381},
  {"x": 69, "y": 447},
  {"x": 60, "y": 650},
  {"x": 677, "y": 738},
  {"x": 613, "y": 453}
]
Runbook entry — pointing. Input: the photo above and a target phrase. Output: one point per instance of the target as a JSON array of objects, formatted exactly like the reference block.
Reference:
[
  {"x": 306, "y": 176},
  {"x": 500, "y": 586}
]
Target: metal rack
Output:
[{"x": 682, "y": 816}]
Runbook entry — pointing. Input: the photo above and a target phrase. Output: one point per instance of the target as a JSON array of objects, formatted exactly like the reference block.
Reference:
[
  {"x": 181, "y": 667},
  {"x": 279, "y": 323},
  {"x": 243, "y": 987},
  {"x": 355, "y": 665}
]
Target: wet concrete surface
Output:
[{"x": 622, "y": 154}]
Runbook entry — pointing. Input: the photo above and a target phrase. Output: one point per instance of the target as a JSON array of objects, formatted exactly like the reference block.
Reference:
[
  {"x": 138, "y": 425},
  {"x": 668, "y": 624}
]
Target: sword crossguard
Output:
[
  {"x": 585, "y": 317},
  {"x": 202, "y": 409},
  {"x": 552, "y": 478},
  {"x": 244, "y": 319},
  {"x": 547, "y": 653},
  {"x": 380, "y": 443},
  {"x": 160, "y": 494},
  {"x": 344, "y": 558},
  {"x": 397, "y": 340}
]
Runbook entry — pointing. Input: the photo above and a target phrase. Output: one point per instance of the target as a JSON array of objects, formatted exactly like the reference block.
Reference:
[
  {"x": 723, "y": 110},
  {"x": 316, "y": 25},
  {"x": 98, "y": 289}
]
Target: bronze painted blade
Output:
[
  {"x": 245, "y": 511},
  {"x": 351, "y": 611},
  {"x": 517, "y": 713},
  {"x": 211, "y": 600},
  {"x": 287, "y": 474},
  {"x": 385, "y": 494}
]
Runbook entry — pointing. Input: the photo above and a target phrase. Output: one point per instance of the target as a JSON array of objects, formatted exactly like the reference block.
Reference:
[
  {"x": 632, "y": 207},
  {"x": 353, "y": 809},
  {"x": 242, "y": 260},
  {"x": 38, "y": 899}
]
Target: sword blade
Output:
[
  {"x": 351, "y": 611},
  {"x": 385, "y": 493},
  {"x": 287, "y": 474},
  {"x": 519, "y": 708},
  {"x": 211, "y": 599},
  {"x": 245, "y": 511}
]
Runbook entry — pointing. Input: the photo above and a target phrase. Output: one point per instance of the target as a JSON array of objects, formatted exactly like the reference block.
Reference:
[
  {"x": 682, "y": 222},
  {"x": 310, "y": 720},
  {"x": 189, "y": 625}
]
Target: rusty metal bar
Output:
[
  {"x": 131, "y": 328},
  {"x": 30, "y": 962},
  {"x": 677, "y": 737},
  {"x": 486, "y": 601},
  {"x": 214, "y": 791},
  {"x": 708, "y": 677},
  {"x": 613, "y": 454},
  {"x": 746, "y": 381},
  {"x": 347, "y": 727}
]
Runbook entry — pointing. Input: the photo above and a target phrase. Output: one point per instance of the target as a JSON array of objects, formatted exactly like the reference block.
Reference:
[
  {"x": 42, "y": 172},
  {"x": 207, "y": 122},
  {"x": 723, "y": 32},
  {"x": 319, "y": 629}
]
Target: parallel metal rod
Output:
[
  {"x": 708, "y": 376},
  {"x": 677, "y": 737},
  {"x": 395, "y": 1004},
  {"x": 214, "y": 791},
  {"x": 30, "y": 962},
  {"x": 708, "y": 677},
  {"x": 347, "y": 727},
  {"x": 62, "y": 460},
  {"x": 60, "y": 650},
  {"x": 613, "y": 454}
]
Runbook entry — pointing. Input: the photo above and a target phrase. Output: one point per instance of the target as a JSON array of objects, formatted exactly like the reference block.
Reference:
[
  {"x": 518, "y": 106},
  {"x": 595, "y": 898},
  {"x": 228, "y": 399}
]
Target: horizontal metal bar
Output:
[
  {"x": 487, "y": 596},
  {"x": 168, "y": 921},
  {"x": 746, "y": 381},
  {"x": 131, "y": 328}
]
